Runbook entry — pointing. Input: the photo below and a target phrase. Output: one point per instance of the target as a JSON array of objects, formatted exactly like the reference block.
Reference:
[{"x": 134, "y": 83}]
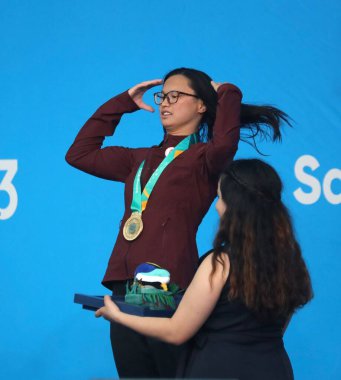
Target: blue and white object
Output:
[{"x": 149, "y": 272}]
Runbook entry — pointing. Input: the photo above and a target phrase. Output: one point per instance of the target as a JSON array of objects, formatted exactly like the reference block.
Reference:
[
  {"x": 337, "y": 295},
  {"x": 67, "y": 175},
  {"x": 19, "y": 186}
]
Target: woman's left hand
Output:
[
  {"x": 216, "y": 85},
  {"x": 109, "y": 311}
]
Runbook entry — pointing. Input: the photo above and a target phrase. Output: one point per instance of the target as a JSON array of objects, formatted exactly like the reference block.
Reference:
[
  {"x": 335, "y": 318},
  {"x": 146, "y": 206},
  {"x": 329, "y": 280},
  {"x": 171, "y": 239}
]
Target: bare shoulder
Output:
[{"x": 222, "y": 266}]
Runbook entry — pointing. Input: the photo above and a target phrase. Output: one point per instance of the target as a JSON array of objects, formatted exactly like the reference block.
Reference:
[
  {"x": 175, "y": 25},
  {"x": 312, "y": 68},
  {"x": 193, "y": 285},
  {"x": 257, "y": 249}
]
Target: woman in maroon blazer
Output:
[{"x": 190, "y": 104}]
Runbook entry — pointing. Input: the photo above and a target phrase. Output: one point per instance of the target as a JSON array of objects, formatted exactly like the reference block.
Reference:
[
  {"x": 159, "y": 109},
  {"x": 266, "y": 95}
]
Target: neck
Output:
[
  {"x": 180, "y": 131},
  {"x": 178, "y": 134}
]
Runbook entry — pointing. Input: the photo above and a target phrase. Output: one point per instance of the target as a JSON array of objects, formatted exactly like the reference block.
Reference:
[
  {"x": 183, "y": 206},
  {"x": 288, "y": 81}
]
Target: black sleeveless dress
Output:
[{"x": 233, "y": 344}]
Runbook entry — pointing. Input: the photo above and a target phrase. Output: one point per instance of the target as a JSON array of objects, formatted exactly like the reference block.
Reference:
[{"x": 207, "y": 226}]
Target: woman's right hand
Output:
[{"x": 137, "y": 92}]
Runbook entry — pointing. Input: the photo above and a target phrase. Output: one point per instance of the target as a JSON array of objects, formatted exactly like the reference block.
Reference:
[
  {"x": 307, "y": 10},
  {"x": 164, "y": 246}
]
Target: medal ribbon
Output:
[{"x": 140, "y": 199}]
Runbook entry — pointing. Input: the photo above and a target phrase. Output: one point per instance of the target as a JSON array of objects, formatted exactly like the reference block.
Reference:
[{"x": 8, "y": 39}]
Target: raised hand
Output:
[
  {"x": 216, "y": 85},
  {"x": 137, "y": 92}
]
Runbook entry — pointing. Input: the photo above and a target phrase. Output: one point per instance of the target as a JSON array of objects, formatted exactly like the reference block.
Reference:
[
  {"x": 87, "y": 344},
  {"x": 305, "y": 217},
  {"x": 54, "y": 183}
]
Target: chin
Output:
[{"x": 168, "y": 128}]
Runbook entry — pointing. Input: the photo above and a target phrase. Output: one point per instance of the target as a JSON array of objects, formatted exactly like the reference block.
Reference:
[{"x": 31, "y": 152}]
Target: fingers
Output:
[
  {"x": 109, "y": 305},
  {"x": 145, "y": 86},
  {"x": 146, "y": 107},
  {"x": 107, "y": 300},
  {"x": 101, "y": 311},
  {"x": 215, "y": 85},
  {"x": 109, "y": 311},
  {"x": 151, "y": 83},
  {"x": 138, "y": 91}
]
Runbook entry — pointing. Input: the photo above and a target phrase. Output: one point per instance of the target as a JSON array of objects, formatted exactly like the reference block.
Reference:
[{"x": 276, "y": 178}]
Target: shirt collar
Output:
[{"x": 171, "y": 140}]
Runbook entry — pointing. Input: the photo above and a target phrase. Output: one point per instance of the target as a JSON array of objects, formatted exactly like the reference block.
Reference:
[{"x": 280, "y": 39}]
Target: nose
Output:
[{"x": 164, "y": 99}]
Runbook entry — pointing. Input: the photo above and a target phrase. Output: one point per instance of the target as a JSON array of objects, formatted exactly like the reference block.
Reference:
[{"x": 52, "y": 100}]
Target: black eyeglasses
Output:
[{"x": 172, "y": 96}]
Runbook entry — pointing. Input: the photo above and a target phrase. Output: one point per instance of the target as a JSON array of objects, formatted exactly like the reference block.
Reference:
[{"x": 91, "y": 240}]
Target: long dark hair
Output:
[
  {"x": 263, "y": 121},
  {"x": 267, "y": 270}
]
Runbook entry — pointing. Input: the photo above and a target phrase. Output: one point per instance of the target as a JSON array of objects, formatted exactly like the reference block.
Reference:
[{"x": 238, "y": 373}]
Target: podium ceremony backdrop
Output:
[{"x": 60, "y": 60}]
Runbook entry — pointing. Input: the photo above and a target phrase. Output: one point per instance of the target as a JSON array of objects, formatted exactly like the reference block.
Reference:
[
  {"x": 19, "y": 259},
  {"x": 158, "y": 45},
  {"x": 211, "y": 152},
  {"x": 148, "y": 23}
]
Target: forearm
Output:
[
  {"x": 195, "y": 307},
  {"x": 86, "y": 153},
  {"x": 226, "y": 129},
  {"x": 102, "y": 123},
  {"x": 160, "y": 328}
]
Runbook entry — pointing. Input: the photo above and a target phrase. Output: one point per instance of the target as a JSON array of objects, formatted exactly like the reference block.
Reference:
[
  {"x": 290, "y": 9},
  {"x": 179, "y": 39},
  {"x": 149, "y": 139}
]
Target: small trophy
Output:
[{"x": 152, "y": 288}]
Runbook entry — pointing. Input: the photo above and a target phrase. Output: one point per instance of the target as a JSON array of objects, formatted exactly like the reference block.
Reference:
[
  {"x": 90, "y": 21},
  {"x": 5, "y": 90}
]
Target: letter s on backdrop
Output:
[
  {"x": 307, "y": 179},
  {"x": 313, "y": 196}
]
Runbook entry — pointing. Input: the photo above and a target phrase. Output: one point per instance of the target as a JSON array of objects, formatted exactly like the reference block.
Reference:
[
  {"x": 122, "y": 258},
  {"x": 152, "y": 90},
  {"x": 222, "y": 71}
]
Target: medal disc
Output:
[{"x": 133, "y": 226}]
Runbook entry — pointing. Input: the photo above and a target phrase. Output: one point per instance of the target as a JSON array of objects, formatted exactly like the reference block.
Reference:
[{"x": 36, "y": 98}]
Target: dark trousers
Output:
[{"x": 136, "y": 355}]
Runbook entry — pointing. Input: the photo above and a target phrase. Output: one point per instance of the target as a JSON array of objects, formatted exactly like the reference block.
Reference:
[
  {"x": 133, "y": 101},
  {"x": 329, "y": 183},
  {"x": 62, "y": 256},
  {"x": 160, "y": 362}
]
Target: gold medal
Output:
[{"x": 133, "y": 226}]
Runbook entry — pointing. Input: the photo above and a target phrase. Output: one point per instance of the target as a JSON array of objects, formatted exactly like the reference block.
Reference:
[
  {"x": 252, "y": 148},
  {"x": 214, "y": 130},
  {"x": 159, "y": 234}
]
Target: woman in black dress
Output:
[{"x": 236, "y": 309}]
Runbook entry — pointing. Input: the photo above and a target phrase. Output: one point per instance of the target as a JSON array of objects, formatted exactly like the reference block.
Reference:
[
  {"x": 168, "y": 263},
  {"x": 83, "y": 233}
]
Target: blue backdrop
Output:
[{"x": 59, "y": 61}]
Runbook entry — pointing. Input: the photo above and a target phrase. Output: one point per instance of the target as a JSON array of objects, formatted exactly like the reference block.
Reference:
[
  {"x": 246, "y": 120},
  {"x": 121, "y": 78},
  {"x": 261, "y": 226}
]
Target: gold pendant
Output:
[{"x": 133, "y": 226}]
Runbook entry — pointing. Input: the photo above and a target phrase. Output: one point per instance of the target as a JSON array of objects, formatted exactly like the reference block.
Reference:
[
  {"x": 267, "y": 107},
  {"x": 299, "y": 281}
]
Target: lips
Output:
[{"x": 166, "y": 113}]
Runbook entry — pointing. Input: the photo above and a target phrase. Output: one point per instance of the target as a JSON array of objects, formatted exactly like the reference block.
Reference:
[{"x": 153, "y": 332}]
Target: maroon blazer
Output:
[{"x": 181, "y": 197}]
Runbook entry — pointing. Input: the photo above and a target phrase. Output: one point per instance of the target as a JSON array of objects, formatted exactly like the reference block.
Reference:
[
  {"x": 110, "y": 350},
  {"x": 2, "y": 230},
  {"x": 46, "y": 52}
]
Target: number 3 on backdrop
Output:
[{"x": 10, "y": 168}]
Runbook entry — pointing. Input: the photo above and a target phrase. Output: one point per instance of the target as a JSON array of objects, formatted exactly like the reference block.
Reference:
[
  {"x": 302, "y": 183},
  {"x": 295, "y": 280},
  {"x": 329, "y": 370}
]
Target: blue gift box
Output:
[{"x": 95, "y": 302}]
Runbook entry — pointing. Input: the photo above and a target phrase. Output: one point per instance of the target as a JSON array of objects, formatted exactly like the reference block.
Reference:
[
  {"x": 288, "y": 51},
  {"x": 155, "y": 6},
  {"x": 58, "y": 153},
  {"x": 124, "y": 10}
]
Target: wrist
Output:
[
  {"x": 228, "y": 88},
  {"x": 117, "y": 316},
  {"x": 224, "y": 86}
]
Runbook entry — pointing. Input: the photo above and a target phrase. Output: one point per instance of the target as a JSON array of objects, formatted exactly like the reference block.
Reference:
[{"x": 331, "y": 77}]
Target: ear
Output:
[{"x": 202, "y": 107}]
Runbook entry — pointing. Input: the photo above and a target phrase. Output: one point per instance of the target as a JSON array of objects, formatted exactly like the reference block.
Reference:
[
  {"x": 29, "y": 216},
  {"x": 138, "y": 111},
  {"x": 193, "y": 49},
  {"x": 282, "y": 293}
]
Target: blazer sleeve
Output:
[
  {"x": 86, "y": 153},
  {"x": 226, "y": 130}
]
